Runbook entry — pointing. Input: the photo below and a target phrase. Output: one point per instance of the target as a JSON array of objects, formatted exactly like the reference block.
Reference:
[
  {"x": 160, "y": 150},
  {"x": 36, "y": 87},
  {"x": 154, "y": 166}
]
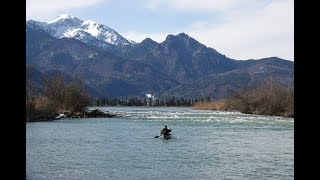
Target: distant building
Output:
[{"x": 150, "y": 99}]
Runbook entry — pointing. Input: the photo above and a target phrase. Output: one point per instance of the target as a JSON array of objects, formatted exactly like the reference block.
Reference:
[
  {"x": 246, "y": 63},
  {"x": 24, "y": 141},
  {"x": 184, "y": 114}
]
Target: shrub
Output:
[
  {"x": 57, "y": 96},
  {"x": 268, "y": 99}
]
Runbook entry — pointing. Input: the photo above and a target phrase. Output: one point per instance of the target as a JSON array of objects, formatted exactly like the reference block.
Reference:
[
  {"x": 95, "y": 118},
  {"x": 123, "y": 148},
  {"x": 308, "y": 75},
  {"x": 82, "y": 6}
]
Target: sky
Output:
[{"x": 239, "y": 29}]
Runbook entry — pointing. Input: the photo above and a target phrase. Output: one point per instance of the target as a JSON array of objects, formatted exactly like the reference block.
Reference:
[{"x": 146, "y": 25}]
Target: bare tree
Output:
[
  {"x": 77, "y": 99},
  {"x": 58, "y": 96},
  {"x": 55, "y": 90},
  {"x": 268, "y": 99}
]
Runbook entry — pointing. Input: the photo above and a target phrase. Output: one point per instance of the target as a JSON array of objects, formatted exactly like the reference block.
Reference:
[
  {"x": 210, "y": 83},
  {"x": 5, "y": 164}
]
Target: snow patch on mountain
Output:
[
  {"x": 91, "y": 27},
  {"x": 90, "y": 32}
]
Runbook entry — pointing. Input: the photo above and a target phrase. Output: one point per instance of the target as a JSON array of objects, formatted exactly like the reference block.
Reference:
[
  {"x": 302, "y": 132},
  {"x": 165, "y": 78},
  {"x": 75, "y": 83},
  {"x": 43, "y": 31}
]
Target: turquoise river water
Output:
[{"x": 205, "y": 145}]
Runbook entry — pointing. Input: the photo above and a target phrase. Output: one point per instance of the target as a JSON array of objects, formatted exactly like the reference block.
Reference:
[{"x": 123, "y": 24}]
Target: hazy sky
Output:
[{"x": 240, "y": 29}]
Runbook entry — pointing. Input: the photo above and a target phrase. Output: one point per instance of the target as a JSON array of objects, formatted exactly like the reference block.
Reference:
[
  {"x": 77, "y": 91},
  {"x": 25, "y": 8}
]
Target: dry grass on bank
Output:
[{"x": 212, "y": 105}]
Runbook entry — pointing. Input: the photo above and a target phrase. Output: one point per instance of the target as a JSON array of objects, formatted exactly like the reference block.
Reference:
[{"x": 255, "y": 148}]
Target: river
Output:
[{"x": 205, "y": 145}]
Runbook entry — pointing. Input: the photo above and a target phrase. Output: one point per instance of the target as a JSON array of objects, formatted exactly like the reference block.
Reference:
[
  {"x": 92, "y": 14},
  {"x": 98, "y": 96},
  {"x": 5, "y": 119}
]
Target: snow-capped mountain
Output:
[
  {"x": 178, "y": 66},
  {"x": 87, "y": 31}
]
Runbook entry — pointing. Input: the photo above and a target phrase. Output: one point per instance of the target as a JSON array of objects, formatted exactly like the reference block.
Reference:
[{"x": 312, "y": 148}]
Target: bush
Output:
[
  {"x": 40, "y": 108},
  {"x": 268, "y": 99},
  {"x": 57, "y": 96}
]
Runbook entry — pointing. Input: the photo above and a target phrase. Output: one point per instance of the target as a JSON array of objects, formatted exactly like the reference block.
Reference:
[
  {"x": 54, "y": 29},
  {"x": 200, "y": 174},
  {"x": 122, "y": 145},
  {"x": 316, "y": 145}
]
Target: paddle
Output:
[{"x": 170, "y": 128}]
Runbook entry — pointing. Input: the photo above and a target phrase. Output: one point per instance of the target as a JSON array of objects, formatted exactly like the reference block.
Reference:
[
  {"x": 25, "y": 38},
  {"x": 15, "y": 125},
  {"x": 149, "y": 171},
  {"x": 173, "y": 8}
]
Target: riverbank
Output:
[
  {"x": 231, "y": 105},
  {"x": 55, "y": 116}
]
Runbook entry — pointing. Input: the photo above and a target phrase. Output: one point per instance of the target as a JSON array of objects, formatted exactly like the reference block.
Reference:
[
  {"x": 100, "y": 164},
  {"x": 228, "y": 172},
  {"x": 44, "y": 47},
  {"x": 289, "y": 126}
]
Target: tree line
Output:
[
  {"x": 134, "y": 101},
  {"x": 56, "y": 95}
]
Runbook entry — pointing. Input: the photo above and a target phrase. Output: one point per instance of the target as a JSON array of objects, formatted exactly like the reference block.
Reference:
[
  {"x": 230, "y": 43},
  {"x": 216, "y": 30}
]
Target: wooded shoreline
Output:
[{"x": 57, "y": 99}]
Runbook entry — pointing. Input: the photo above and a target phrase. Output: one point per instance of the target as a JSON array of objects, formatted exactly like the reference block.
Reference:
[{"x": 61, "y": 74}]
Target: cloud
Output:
[
  {"x": 203, "y": 6},
  {"x": 268, "y": 32},
  {"x": 245, "y": 30},
  {"x": 44, "y": 9}
]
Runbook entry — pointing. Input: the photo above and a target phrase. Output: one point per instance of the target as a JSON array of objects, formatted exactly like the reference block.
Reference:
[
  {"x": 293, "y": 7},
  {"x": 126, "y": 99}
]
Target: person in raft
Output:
[{"x": 165, "y": 131}]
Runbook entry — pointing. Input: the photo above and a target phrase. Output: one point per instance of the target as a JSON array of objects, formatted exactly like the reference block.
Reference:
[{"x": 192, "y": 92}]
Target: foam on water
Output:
[{"x": 187, "y": 114}]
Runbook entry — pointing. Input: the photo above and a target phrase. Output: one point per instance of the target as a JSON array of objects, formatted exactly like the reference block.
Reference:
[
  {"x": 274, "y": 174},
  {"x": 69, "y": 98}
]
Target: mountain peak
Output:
[
  {"x": 66, "y": 21},
  {"x": 183, "y": 35},
  {"x": 178, "y": 36},
  {"x": 181, "y": 38},
  {"x": 149, "y": 41},
  {"x": 89, "y": 22},
  {"x": 64, "y": 17}
]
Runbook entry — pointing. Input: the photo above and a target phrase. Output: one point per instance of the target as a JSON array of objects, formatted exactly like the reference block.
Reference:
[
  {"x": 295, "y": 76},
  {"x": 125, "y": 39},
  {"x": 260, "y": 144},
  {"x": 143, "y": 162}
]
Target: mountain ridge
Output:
[{"x": 179, "y": 66}]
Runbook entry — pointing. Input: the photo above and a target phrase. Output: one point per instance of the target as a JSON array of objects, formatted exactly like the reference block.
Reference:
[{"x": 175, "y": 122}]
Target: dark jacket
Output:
[{"x": 165, "y": 131}]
